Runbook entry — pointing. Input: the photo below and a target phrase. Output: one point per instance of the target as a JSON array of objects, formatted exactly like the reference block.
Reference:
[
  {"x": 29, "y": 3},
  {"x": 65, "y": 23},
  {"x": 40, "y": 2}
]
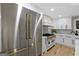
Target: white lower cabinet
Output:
[
  {"x": 64, "y": 40},
  {"x": 44, "y": 49},
  {"x": 59, "y": 39},
  {"x": 45, "y": 45},
  {"x": 77, "y": 47},
  {"x": 68, "y": 42}
]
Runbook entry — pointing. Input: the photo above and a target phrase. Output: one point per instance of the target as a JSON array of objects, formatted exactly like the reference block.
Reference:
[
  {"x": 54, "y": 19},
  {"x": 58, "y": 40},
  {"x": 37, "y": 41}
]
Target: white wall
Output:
[{"x": 0, "y": 27}]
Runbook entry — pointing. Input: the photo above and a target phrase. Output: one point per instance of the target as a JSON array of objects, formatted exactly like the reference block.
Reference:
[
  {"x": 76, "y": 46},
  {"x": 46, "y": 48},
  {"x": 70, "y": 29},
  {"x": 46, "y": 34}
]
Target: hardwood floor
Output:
[{"x": 60, "y": 50}]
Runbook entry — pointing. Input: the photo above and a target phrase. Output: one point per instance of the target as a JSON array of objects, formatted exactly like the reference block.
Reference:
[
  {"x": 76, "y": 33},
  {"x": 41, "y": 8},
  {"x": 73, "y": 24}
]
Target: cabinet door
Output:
[
  {"x": 73, "y": 43},
  {"x": 44, "y": 44},
  {"x": 47, "y": 21},
  {"x": 63, "y": 23},
  {"x": 59, "y": 39},
  {"x": 69, "y": 23},
  {"x": 68, "y": 41},
  {"x": 76, "y": 47}
]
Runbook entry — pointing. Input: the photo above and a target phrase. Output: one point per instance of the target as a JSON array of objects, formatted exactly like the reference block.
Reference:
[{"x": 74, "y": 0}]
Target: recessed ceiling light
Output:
[
  {"x": 52, "y": 9},
  {"x": 59, "y": 15}
]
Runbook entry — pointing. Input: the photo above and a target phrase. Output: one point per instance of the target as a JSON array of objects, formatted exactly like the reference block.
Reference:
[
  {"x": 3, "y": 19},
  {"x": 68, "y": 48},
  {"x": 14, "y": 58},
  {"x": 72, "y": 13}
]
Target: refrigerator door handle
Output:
[{"x": 28, "y": 26}]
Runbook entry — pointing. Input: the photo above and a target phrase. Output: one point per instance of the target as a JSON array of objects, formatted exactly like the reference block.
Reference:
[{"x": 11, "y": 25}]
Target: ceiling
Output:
[{"x": 63, "y": 9}]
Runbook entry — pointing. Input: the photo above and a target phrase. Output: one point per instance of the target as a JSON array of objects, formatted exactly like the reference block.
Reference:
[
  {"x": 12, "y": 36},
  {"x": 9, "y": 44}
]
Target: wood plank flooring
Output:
[{"x": 60, "y": 50}]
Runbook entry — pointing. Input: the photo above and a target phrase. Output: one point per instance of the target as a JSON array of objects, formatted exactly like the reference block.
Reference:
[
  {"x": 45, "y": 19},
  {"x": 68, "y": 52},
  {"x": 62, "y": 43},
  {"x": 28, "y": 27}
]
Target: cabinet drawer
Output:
[{"x": 73, "y": 42}]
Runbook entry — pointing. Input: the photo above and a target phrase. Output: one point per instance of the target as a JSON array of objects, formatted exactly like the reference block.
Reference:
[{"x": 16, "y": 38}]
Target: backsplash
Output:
[
  {"x": 59, "y": 31},
  {"x": 62, "y": 31}
]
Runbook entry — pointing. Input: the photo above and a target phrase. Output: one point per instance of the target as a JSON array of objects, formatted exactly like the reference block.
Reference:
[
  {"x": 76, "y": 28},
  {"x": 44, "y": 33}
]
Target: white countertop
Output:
[{"x": 73, "y": 36}]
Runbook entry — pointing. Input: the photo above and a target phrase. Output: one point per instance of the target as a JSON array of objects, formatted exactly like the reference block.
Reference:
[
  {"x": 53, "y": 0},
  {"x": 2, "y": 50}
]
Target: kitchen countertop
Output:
[
  {"x": 73, "y": 36},
  {"x": 66, "y": 34}
]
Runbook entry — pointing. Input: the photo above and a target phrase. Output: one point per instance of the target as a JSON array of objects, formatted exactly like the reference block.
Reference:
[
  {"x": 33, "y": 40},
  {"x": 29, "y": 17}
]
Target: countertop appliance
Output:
[{"x": 47, "y": 34}]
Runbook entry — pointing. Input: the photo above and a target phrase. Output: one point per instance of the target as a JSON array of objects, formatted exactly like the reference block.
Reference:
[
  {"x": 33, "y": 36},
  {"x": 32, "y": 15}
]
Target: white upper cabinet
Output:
[
  {"x": 62, "y": 23},
  {"x": 47, "y": 20}
]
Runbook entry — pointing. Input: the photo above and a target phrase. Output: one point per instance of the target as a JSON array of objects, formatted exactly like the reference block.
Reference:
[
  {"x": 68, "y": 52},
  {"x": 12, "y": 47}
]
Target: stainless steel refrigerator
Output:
[{"x": 26, "y": 43}]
